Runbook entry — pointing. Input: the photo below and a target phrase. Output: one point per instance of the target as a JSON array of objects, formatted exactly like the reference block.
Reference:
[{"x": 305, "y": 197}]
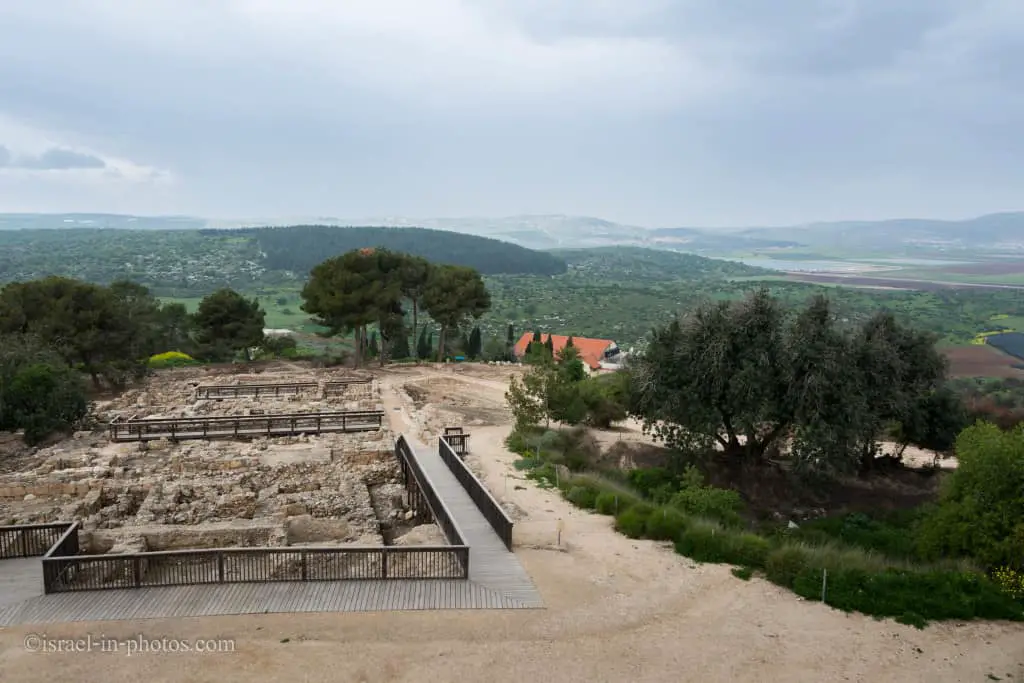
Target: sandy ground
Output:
[{"x": 617, "y": 610}]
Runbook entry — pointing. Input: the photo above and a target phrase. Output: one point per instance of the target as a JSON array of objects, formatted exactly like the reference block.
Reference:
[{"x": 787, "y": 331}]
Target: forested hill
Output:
[
  {"x": 652, "y": 265},
  {"x": 299, "y": 248}
]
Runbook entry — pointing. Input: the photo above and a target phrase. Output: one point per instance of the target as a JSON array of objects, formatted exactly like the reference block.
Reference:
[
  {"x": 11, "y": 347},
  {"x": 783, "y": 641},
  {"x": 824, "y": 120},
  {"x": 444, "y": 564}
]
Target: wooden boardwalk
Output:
[{"x": 496, "y": 581}]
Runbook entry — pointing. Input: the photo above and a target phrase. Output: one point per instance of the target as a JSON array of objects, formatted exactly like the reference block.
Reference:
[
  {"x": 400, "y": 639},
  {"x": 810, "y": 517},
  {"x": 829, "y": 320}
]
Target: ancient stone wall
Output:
[{"x": 160, "y": 495}]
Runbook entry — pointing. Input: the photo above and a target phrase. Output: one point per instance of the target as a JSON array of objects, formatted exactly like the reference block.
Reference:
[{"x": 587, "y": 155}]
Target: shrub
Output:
[
  {"x": 783, "y": 564},
  {"x": 911, "y": 596},
  {"x": 665, "y": 524},
  {"x": 633, "y": 520},
  {"x": 603, "y": 484},
  {"x": 170, "y": 359},
  {"x": 42, "y": 399},
  {"x": 981, "y": 509},
  {"x": 892, "y": 535},
  {"x": 608, "y": 503},
  {"x": 1010, "y": 581},
  {"x": 709, "y": 542},
  {"x": 723, "y": 505},
  {"x": 583, "y": 497},
  {"x": 743, "y": 573},
  {"x": 648, "y": 479}
]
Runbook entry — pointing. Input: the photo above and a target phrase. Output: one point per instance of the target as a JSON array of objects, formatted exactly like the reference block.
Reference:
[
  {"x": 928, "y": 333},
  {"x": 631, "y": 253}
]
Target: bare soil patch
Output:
[{"x": 982, "y": 361}]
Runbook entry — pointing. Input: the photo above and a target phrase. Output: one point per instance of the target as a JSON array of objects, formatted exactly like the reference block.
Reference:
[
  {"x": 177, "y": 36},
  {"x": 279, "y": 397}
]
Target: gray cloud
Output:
[
  {"x": 57, "y": 159},
  {"x": 658, "y": 111}
]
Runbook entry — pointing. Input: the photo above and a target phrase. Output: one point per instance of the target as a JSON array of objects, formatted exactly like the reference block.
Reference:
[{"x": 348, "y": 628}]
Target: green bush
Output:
[
  {"x": 981, "y": 510},
  {"x": 665, "y": 524},
  {"x": 633, "y": 520},
  {"x": 608, "y": 503},
  {"x": 743, "y": 573},
  {"x": 783, "y": 564},
  {"x": 42, "y": 399},
  {"x": 709, "y": 542},
  {"x": 911, "y": 596},
  {"x": 892, "y": 535},
  {"x": 723, "y": 505},
  {"x": 648, "y": 479},
  {"x": 583, "y": 497}
]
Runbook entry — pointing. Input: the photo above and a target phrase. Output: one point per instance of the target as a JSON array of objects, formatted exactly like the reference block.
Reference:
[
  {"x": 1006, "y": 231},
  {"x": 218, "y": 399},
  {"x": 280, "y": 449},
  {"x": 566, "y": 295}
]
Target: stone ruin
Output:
[{"x": 329, "y": 489}]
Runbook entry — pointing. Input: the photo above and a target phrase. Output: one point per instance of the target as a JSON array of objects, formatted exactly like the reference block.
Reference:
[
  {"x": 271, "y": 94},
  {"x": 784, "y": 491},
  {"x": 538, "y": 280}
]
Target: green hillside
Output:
[
  {"x": 299, "y": 248},
  {"x": 189, "y": 263}
]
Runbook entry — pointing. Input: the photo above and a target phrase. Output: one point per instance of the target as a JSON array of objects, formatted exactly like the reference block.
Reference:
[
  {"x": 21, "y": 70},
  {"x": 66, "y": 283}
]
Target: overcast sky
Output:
[{"x": 651, "y": 112}]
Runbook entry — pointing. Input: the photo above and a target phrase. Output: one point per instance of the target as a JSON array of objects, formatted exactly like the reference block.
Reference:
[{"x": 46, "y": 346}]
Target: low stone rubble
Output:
[{"x": 160, "y": 495}]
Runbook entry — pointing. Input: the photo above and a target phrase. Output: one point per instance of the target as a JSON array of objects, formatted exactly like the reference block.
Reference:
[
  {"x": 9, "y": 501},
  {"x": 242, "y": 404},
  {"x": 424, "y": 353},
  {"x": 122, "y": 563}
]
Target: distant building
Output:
[{"x": 596, "y": 354}]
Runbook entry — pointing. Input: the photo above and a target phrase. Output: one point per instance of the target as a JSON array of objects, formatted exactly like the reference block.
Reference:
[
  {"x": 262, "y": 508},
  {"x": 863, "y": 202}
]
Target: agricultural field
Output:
[{"x": 983, "y": 361}]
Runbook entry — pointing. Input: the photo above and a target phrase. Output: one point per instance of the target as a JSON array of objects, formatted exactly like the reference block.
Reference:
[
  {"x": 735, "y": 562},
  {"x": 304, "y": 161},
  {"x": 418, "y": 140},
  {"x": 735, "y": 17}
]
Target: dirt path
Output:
[{"x": 617, "y": 610}]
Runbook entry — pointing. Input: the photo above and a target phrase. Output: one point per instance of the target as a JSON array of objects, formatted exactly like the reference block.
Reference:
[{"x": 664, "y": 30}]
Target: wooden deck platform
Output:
[{"x": 496, "y": 581}]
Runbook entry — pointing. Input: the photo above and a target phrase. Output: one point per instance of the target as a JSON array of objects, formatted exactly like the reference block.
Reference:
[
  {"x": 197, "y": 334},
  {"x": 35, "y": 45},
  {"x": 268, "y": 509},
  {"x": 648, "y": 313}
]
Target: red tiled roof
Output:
[{"x": 591, "y": 350}]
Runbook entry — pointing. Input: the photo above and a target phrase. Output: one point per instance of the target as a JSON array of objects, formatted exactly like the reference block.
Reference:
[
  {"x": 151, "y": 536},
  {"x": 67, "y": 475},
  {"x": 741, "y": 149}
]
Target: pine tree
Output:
[
  {"x": 430, "y": 344},
  {"x": 373, "y": 349},
  {"x": 476, "y": 344}
]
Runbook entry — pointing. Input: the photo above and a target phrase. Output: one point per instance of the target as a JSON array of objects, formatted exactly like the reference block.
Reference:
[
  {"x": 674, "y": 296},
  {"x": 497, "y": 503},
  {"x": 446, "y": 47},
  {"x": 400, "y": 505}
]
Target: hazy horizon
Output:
[{"x": 655, "y": 113}]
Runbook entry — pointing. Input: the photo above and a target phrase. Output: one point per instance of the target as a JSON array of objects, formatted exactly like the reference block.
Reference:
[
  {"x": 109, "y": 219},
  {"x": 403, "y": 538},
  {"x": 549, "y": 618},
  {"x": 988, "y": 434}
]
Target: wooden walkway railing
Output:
[
  {"x": 30, "y": 540},
  {"x": 286, "y": 424},
  {"x": 458, "y": 439},
  {"x": 66, "y": 570},
  {"x": 485, "y": 502},
  {"x": 214, "y": 391},
  {"x": 65, "y": 573},
  {"x": 439, "y": 509}
]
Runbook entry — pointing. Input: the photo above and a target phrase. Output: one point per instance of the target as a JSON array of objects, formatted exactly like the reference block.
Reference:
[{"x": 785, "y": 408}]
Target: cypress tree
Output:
[
  {"x": 400, "y": 349},
  {"x": 476, "y": 343},
  {"x": 550, "y": 345},
  {"x": 568, "y": 342},
  {"x": 510, "y": 342},
  {"x": 423, "y": 345},
  {"x": 373, "y": 349}
]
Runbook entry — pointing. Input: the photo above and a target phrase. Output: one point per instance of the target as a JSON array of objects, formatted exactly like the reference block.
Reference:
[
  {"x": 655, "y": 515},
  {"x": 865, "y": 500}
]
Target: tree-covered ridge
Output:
[
  {"x": 169, "y": 262},
  {"x": 638, "y": 265},
  {"x": 185, "y": 263},
  {"x": 299, "y": 248}
]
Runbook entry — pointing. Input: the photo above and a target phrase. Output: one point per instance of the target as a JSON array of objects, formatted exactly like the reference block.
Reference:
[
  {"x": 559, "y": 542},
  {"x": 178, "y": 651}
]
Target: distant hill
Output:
[
  {"x": 299, "y": 248},
  {"x": 63, "y": 221},
  {"x": 644, "y": 265},
  {"x": 1000, "y": 232},
  {"x": 184, "y": 262},
  {"x": 995, "y": 232}
]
